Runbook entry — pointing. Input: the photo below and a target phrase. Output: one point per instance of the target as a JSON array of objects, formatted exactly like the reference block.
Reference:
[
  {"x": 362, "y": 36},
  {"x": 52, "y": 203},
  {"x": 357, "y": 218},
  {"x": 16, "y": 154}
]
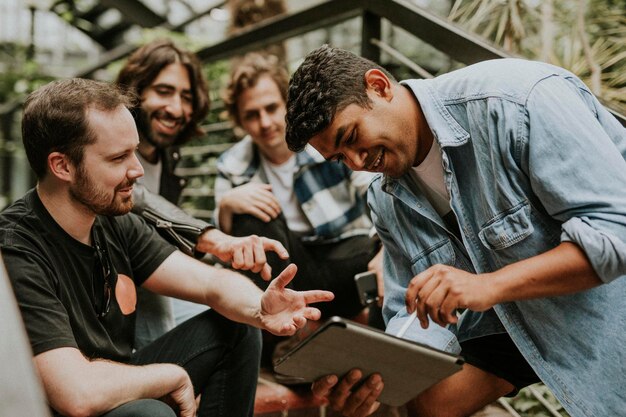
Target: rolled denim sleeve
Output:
[{"x": 577, "y": 171}]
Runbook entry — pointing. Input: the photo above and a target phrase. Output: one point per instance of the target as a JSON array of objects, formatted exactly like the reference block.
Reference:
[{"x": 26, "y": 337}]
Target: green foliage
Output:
[
  {"x": 527, "y": 404},
  {"x": 20, "y": 74},
  {"x": 587, "y": 37}
]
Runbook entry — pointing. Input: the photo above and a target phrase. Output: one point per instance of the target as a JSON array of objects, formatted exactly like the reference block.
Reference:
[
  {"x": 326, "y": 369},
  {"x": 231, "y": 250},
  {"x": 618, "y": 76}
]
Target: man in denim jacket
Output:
[{"x": 503, "y": 196}]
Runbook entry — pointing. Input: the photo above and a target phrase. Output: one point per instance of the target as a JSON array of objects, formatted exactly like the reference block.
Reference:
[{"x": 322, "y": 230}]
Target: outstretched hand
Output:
[
  {"x": 244, "y": 253},
  {"x": 283, "y": 311}
]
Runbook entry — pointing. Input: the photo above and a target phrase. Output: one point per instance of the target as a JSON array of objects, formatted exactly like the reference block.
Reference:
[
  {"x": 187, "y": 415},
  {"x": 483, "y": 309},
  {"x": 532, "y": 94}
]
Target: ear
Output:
[
  {"x": 378, "y": 83},
  {"x": 60, "y": 166}
]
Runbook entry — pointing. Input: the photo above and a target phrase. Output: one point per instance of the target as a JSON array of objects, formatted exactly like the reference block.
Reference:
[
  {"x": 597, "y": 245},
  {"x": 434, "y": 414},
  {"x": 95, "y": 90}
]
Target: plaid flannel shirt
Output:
[{"x": 331, "y": 195}]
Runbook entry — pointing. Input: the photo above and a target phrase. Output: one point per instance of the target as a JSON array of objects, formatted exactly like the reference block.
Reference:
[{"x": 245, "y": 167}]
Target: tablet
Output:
[{"x": 407, "y": 368}]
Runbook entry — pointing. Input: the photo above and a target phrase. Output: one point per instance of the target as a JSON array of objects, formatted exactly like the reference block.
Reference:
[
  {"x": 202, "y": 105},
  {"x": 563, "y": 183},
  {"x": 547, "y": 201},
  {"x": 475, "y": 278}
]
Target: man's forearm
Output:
[
  {"x": 228, "y": 292},
  {"x": 135, "y": 382},
  {"x": 77, "y": 386},
  {"x": 438, "y": 291},
  {"x": 235, "y": 296},
  {"x": 562, "y": 270}
]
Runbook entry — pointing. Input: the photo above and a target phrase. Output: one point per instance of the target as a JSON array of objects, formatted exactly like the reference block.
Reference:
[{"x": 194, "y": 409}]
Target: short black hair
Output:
[{"x": 329, "y": 80}]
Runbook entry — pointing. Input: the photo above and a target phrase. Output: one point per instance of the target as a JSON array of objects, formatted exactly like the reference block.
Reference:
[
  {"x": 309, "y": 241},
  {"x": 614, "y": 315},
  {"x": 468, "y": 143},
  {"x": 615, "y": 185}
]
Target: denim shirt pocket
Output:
[
  {"x": 508, "y": 228},
  {"x": 443, "y": 252},
  {"x": 440, "y": 252}
]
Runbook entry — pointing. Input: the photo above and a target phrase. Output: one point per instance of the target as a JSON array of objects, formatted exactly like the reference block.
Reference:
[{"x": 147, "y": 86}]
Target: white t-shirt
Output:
[
  {"x": 280, "y": 178},
  {"x": 151, "y": 175},
  {"x": 430, "y": 179}
]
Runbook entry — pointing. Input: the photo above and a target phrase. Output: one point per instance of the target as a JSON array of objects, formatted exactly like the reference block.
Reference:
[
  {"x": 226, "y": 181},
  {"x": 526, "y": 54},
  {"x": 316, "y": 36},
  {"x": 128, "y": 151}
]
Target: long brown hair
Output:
[{"x": 147, "y": 62}]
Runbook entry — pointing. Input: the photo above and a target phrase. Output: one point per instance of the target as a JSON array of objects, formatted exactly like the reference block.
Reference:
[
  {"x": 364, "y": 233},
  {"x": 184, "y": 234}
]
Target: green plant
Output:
[
  {"x": 587, "y": 37},
  {"x": 527, "y": 403},
  {"x": 20, "y": 74}
]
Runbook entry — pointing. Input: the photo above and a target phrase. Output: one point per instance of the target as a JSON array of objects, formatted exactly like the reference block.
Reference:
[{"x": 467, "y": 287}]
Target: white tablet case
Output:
[{"x": 407, "y": 368}]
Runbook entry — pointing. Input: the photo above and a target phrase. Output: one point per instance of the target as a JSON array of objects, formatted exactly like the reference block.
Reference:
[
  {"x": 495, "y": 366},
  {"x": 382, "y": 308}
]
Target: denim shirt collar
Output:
[
  {"x": 400, "y": 188},
  {"x": 447, "y": 132}
]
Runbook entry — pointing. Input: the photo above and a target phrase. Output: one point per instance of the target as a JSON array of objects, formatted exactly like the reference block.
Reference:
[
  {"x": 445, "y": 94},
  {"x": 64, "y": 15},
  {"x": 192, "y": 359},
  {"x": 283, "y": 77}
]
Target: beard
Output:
[
  {"x": 98, "y": 200},
  {"x": 144, "y": 126}
]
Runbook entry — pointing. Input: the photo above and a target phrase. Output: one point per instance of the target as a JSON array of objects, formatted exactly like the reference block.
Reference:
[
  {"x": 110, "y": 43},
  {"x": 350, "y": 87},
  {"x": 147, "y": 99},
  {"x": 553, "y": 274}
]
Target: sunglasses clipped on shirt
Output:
[{"x": 103, "y": 280}]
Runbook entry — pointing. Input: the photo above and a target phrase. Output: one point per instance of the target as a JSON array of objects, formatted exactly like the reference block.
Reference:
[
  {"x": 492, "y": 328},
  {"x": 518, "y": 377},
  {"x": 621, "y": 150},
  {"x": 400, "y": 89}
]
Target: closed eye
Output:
[
  {"x": 121, "y": 157},
  {"x": 164, "y": 90},
  {"x": 351, "y": 138}
]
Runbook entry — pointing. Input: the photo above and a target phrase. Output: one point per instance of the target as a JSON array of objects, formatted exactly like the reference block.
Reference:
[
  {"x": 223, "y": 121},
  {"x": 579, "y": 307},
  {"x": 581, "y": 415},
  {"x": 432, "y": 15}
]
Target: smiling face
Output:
[
  {"x": 382, "y": 138},
  {"x": 103, "y": 181},
  {"x": 262, "y": 115},
  {"x": 166, "y": 106}
]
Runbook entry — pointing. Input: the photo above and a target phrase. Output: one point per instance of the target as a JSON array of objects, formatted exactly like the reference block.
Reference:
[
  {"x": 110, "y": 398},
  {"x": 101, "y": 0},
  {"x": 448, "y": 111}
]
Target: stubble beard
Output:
[{"x": 97, "y": 200}]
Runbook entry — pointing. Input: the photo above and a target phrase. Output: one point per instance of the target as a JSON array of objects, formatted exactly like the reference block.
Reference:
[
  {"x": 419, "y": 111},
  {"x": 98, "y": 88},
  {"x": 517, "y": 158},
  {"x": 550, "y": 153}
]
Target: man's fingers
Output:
[
  {"x": 237, "y": 259},
  {"x": 259, "y": 260},
  {"x": 434, "y": 304},
  {"x": 321, "y": 388},
  {"x": 369, "y": 405},
  {"x": 415, "y": 285},
  {"x": 361, "y": 402},
  {"x": 268, "y": 203},
  {"x": 342, "y": 391},
  {"x": 317, "y": 296},
  {"x": 422, "y": 298},
  {"x": 448, "y": 310},
  {"x": 312, "y": 313},
  {"x": 270, "y": 210},
  {"x": 275, "y": 246},
  {"x": 266, "y": 272},
  {"x": 299, "y": 321},
  {"x": 248, "y": 258},
  {"x": 258, "y": 213},
  {"x": 285, "y": 276}
]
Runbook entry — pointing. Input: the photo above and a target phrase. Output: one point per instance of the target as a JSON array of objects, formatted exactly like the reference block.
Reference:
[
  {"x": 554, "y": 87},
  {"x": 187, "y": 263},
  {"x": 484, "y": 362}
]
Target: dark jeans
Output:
[
  {"x": 328, "y": 266},
  {"x": 221, "y": 357}
]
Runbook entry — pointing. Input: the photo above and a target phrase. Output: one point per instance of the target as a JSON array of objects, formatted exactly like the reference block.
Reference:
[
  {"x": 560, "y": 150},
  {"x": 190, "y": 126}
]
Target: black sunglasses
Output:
[{"x": 103, "y": 276}]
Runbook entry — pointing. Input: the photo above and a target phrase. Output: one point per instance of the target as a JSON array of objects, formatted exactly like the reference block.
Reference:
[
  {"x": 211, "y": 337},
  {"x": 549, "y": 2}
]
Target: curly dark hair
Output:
[
  {"x": 329, "y": 80},
  {"x": 147, "y": 62},
  {"x": 55, "y": 118},
  {"x": 246, "y": 73}
]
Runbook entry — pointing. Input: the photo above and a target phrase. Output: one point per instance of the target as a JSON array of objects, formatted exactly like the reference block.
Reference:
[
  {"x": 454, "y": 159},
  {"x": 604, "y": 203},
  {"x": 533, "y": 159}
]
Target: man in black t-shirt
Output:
[{"x": 75, "y": 257}]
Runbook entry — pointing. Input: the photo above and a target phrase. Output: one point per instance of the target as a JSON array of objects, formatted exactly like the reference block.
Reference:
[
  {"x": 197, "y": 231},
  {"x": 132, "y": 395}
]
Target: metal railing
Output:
[{"x": 457, "y": 44}]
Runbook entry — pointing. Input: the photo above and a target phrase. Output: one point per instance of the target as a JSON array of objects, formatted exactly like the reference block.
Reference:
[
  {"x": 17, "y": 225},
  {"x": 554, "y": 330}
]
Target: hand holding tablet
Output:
[{"x": 407, "y": 368}]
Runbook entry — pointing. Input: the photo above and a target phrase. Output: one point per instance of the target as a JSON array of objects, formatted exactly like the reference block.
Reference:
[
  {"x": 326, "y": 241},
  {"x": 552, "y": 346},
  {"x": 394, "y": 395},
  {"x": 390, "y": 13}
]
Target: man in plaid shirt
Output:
[{"x": 315, "y": 208}]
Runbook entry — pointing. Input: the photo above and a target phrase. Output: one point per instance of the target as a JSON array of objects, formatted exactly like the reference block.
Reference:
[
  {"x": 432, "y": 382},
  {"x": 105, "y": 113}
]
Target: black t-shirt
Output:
[{"x": 52, "y": 276}]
